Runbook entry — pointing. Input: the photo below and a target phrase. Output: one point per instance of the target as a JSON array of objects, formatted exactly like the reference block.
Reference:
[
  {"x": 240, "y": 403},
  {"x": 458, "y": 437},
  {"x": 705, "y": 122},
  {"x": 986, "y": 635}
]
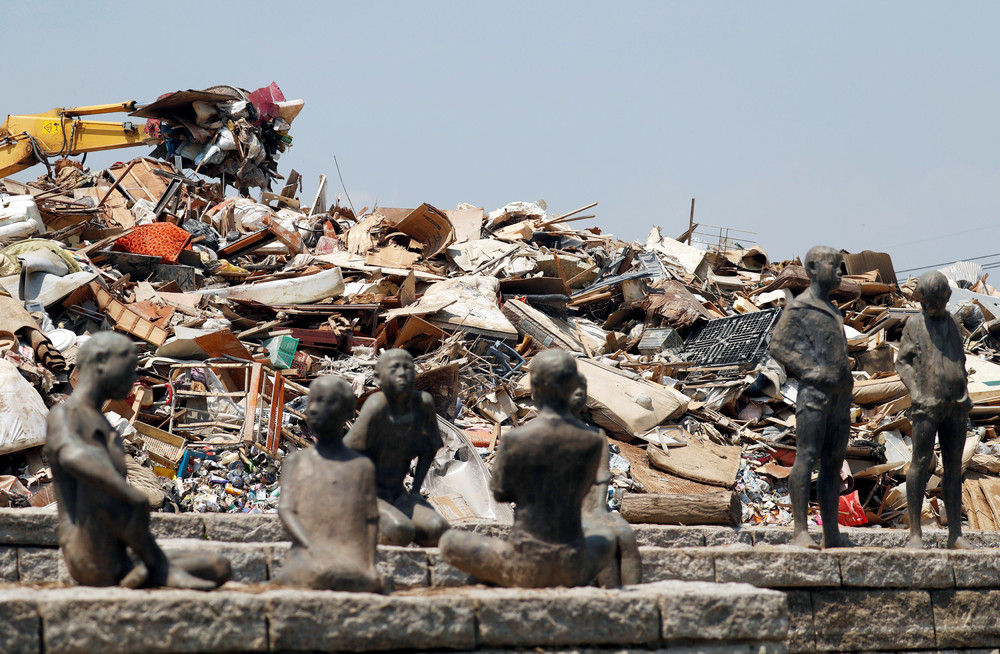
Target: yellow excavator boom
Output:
[{"x": 27, "y": 140}]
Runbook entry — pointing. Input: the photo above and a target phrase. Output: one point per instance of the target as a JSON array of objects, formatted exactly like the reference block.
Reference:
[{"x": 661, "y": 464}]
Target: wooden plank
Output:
[
  {"x": 991, "y": 491},
  {"x": 969, "y": 511},
  {"x": 127, "y": 320},
  {"x": 247, "y": 244},
  {"x": 254, "y": 390},
  {"x": 277, "y": 406},
  {"x": 979, "y": 505}
]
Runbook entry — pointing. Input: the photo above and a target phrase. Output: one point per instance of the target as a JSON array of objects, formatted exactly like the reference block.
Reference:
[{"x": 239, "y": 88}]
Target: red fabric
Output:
[
  {"x": 164, "y": 240},
  {"x": 851, "y": 513}
]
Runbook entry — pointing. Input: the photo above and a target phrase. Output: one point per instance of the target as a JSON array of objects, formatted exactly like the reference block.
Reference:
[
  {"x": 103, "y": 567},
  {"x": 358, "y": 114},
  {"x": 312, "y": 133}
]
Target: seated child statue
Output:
[
  {"x": 546, "y": 467},
  {"x": 328, "y": 502},
  {"x": 396, "y": 426}
]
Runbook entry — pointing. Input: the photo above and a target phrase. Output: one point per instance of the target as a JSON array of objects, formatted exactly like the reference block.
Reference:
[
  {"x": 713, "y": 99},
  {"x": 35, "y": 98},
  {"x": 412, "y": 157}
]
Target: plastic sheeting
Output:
[
  {"x": 458, "y": 470},
  {"x": 22, "y": 411}
]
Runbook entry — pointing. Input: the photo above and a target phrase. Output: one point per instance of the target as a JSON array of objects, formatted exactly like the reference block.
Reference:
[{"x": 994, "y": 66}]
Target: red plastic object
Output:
[
  {"x": 264, "y": 100},
  {"x": 851, "y": 513}
]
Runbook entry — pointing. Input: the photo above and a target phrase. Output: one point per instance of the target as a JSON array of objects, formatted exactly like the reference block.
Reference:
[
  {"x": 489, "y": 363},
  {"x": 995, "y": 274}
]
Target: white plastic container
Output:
[{"x": 19, "y": 216}]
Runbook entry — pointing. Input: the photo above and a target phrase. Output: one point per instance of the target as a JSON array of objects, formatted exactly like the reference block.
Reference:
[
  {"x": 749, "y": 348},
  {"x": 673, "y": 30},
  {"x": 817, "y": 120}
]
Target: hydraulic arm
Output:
[{"x": 30, "y": 139}]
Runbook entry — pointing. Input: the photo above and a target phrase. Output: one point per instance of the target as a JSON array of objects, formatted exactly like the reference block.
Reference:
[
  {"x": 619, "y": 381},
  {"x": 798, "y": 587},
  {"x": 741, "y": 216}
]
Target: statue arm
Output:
[
  {"x": 359, "y": 438},
  {"x": 288, "y": 509},
  {"x": 431, "y": 437},
  {"x": 907, "y": 357},
  {"x": 793, "y": 347},
  {"x": 502, "y": 490},
  {"x": 604, "y": 467},
  {"x": 92, "y": 466}
]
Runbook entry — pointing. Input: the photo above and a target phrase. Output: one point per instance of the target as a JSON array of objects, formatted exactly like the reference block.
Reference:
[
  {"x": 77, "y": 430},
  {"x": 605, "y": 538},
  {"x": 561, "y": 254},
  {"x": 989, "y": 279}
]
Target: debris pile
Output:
[{"x": 237, "y": 304}]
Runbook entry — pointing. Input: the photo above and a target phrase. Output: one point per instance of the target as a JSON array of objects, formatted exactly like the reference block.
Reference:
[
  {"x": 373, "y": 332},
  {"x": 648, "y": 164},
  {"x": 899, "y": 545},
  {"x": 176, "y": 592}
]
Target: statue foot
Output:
[
  {"x": 803, "y": 539},
  {"x": 960, "y": 544},
  {"x": 915, "y": 542},
  {"x": 136, "y": 578},
  {"x": 839, "y": 541},
  {"x": 180, "y": 578}
]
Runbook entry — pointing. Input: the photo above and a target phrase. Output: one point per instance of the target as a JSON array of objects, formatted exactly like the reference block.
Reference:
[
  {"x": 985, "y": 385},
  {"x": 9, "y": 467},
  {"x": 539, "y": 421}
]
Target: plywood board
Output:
[
  {"x": 700, "y": 460},
  {"x": 656, "y": 481}
]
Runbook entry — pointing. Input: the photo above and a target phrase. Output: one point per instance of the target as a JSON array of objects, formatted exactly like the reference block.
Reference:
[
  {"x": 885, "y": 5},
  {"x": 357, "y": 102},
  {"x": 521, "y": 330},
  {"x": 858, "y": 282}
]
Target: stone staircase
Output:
[{"x": 708, "y": 589}]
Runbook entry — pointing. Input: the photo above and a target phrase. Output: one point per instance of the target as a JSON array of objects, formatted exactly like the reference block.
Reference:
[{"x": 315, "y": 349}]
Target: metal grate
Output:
[{"x": 732, "y": 340}]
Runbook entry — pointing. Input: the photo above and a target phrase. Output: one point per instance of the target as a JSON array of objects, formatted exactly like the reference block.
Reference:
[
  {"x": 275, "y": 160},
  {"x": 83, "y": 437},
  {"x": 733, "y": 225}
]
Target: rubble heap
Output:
[{"x": 237, "y": 304}]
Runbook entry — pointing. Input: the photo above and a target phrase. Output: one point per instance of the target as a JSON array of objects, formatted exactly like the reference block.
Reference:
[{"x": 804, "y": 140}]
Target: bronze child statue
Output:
[
  {"x": 328, "y": 502},
  {"x": 931, "y": 362},
  {"x": 101, "y": 517},
  {"x": 624, "y": 567},
  {"x": 545, "y": 467},
  {"x": 396, "y": 425},
  {"x": 809, "y": 342}
]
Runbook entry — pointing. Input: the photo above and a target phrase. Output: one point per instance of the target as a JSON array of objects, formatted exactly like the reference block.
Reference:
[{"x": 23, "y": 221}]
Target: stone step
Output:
[
  {"x": 38, "y": 527},
  {"x": 837, "y": 600},
  {"x": 764, "y": 566},
  {"x": 686, "y": 616}
]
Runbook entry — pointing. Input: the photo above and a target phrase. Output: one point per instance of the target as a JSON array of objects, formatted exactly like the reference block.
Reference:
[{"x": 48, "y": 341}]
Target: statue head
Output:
[
  {"x": 331, "y": 403},
  {"x": 933, "y": 292},
  {"x": 825, "y": 267},
  {"x": 554, "y": 377},
  {"x": 109, "y": 361},
  {"x": 395, "y": 372}
]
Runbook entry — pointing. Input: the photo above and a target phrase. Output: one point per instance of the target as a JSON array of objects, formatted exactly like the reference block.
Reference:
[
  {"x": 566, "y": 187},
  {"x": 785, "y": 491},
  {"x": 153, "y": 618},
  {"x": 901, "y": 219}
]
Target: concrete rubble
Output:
[{"x": 238, "y": 301}]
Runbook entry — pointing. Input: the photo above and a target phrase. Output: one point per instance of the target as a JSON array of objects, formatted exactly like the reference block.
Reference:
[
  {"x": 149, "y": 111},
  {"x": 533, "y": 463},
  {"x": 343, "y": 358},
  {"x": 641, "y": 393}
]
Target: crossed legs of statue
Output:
[
  {"x": 409, "y": 520},
  {"x": 523, "y": 561},
  {"x": 107, "y": 544}
]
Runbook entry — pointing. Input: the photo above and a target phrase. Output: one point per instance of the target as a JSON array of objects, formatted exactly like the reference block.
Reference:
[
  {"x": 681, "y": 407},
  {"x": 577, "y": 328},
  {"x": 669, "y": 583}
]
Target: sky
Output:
[{"x": 859, "y": 125}]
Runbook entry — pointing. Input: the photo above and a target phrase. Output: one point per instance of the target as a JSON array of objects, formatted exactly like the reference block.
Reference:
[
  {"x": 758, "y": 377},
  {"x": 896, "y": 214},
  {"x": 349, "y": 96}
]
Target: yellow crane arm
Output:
[{"x": 25, "y": 140}]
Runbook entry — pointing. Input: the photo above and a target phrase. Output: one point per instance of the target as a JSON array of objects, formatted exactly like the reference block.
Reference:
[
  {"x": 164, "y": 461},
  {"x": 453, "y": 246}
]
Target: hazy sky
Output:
[{"x": 860, "y": 125}]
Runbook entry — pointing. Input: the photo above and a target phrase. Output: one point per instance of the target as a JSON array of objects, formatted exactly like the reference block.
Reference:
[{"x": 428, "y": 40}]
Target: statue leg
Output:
[
  {"x": 155, "y": 569},
  {"x": 952, "y": 435},
  {"x": 210, "y": 567},
  {"x": 602, "y": 551},
  {"x": 624, "y": 565},
  {"x": 916, "y": 477},
  {"x": 609, "y": 572},
  {"x": 428, "y": 523},
  {"x": 95, "y": 557},
  {"x": 831, "y": 461},
  {"x": 394, "y": 527},
  {"x": 303, "y": 568},
  {"x": 628, "y": 550},
  {"x": 810, "y": 425},
  {"x": 486, "y": 559}
]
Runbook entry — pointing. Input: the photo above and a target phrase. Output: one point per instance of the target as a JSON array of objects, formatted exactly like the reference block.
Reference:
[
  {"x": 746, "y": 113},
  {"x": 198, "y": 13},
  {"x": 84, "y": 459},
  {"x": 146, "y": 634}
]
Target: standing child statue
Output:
[
  {"x": 101, "y": 517},
  {"x": 624, "y": 567},
  {"x": 545, "y": 467},
  {"x": 809, "y": 342},
  {"x": 397, "y": 425},
  {"x": 328, "y": 502},
  {"x": 931, "y": 362}
]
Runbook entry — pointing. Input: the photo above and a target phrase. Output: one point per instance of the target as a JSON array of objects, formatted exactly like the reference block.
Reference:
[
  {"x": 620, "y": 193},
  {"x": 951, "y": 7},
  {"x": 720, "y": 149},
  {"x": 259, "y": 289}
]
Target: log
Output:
[{"x": 715, "y": 508}]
